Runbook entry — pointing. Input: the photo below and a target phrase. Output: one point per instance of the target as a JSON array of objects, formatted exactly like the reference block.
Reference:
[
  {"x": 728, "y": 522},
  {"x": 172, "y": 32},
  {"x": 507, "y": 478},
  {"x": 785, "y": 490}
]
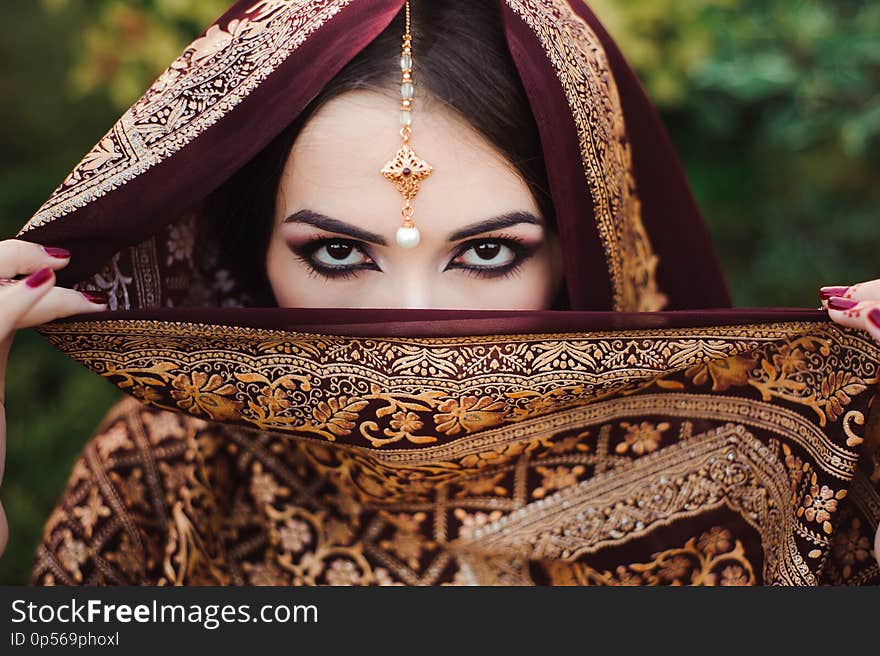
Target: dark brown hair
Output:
[{"x": 462, "y": 61}]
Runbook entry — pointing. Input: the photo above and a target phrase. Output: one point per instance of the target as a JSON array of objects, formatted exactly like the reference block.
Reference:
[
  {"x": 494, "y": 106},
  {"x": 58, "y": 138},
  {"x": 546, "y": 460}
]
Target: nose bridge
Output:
[
  {"x": 416, "y": 290},
  {"x": 411, "y": 287}
]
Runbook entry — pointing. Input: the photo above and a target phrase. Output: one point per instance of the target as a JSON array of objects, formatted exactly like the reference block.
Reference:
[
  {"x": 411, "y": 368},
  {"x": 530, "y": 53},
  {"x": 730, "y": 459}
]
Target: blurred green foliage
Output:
[{"x": 773, "y": 106}]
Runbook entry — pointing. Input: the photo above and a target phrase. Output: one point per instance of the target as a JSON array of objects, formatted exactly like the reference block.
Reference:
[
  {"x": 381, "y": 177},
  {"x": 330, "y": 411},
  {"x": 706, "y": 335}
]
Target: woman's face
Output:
[{"x": 484, "y": 243}]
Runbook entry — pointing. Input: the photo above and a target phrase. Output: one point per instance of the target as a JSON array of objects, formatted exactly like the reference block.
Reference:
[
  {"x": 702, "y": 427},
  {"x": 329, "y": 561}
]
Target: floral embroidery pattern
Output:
[
  {"x": 408, "y": 413},
  {"x": 786, "y": 374},
  {"x": 642, "y": 438},
  {"x": 515, "y": 455},
  {"x": 820, "y": 504},
  {"x": 278, "y": 540},
  {"x": 201, "y": 394},
  {"x": 713, "y": 558},
  {"x": 468, "y": 415},
  {"x": 91, "y": 512},
  {"x": 852, "y": 547}
]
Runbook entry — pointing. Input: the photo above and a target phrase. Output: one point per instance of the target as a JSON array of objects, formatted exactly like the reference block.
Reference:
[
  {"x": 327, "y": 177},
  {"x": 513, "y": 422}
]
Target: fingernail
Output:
[
  {"x": 837, "y": 303},
  {"x": 827, "y": 292},
  {"x": 96, "y": 297},
  {"x": 60, "y": 253},
  {"x": 37, "y": 278},
  {"x": 874, "y": 317}
]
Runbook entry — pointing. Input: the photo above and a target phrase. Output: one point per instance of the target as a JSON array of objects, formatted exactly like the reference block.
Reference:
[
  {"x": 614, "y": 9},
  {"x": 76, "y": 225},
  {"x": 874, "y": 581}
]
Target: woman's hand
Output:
[
  {"x": 856, "y": 306},
  {"x": 30, "y": 302}
]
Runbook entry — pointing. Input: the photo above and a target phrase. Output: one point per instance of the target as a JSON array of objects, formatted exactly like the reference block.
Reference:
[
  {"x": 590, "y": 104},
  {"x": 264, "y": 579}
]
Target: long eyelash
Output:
[
  {"x": 500, "y": 237},
  {"x": 495, "y": 274},
  {"x": 516, "y": 243},
  {"x": 304, "y": 253},
  {"x": 521, "y": 250},
  {"x": 344, "y": 273}
]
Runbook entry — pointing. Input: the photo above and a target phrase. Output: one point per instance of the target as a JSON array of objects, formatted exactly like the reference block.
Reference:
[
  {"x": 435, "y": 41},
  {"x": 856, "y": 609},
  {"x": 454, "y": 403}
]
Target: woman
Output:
[{"x": 499, "y": 400}]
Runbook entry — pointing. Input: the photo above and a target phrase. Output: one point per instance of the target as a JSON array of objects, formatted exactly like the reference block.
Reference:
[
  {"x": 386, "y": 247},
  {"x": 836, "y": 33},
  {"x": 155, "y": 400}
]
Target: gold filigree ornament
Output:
[{"x": 406, "y": 169}]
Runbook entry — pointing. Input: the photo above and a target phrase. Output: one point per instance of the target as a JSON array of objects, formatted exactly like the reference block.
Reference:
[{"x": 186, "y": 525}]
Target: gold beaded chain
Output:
[{"x": 406, "y": 169}]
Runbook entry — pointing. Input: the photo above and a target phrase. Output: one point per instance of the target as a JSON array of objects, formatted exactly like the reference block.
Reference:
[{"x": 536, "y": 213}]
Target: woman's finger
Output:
[
  {"x": 877, "y": 545},
  {"x": 18, "y": 256},
  {"x": 62, "y": 302},
  {"x": 4, "y": 530},
  {"x": 851, "y": 313},
  {"x": 17, "y": 299},
  {"x": 872, "y": 322},
  {"x": 862, "y": 291}
]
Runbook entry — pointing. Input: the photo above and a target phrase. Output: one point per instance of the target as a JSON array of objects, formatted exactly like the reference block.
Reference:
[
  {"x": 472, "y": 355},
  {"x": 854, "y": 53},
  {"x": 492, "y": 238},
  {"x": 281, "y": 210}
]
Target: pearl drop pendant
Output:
[{"x": 408, "y": 237}]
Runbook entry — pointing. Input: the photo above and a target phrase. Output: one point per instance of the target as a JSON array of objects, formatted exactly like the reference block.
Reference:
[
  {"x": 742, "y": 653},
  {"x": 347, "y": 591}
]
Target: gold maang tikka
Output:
[{"x": 406, "y": 169}]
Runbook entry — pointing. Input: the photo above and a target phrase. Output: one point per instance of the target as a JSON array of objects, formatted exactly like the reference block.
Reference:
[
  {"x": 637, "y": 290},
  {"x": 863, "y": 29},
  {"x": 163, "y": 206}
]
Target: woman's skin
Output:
[
  {"x": 484, "y": 244},
  {"x": 331, "y": 186}
]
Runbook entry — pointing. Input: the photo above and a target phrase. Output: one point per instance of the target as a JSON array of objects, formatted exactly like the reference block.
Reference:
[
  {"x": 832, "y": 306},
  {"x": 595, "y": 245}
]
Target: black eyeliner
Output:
[
  {"x": 305, "y": 251},
  {"x": 522, "y": 252}
]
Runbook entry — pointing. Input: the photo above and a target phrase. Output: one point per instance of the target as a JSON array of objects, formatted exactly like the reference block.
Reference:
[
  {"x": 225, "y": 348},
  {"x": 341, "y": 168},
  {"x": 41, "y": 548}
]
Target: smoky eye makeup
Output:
[
  {"x": 484, "y": 257},
  {"x": 493, "y": 257},
  {"x": 334, "y": 257}
]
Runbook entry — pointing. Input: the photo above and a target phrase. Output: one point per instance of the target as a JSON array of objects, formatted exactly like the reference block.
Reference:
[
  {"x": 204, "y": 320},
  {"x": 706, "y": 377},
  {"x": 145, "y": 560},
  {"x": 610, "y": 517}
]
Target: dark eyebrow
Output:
[
  {"x": 335, "y": 225},
  {"x": 496, "y": 223}
]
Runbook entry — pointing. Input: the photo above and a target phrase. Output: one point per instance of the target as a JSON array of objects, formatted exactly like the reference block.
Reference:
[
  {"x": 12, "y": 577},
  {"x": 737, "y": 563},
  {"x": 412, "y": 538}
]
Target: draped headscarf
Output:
[{"x": 650, "y": 434}]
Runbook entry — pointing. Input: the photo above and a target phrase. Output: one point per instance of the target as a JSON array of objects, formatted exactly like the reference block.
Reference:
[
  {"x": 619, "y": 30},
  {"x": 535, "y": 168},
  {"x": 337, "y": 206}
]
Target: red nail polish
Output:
[
  {"x": 874, "y": 317},
  {"x": 827, "y": 292},
  {"x": 37, "y": 278},
  {"x": 837, "y": 303},
  {"x": 60, "y": 253},
  {"x": 96, "y": 297}
]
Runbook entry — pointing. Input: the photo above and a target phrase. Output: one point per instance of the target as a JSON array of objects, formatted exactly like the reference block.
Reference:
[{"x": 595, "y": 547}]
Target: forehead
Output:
[{"x": 334, "y": 164}]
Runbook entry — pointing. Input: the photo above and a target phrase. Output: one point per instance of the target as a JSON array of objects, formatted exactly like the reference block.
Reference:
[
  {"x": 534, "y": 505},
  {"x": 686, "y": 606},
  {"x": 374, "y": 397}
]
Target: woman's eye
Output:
[
  {"x": 488, "y": 254},
  {"x": 339, "y": 254}
]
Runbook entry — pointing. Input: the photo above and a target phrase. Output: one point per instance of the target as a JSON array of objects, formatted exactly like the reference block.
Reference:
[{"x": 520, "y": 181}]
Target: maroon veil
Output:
[
  {"x": 649, "y": 434},
  {"x": 626, "y": 215}
]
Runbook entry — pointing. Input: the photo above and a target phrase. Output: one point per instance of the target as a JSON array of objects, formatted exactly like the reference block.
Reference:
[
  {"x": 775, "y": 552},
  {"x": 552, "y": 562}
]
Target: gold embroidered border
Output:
[
  {"x": 193, "y": 93},
  {"x": 835, "y": 460},
  {"x": 727, "y": 466},
  {"x": 585, "y": 74},
  {"x": 425, "y": 388}
]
